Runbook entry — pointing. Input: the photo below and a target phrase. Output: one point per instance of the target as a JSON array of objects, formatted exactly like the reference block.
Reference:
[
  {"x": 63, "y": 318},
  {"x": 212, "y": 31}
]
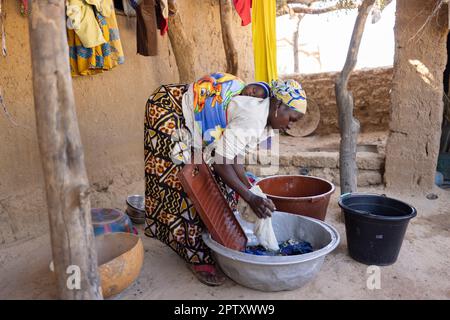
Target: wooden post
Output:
[
  {"x": 183, "y": 47},
  {"x": 231, "y": 55},
  {"x": 296, "y": 44},
  {"x": 348, "y": 125},
  {"x": 72, "y": 238}
]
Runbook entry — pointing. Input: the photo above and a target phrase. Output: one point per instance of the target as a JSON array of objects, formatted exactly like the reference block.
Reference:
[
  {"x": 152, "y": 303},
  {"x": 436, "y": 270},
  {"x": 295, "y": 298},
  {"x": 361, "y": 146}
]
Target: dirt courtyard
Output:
[{"x": 422, "y": 270}]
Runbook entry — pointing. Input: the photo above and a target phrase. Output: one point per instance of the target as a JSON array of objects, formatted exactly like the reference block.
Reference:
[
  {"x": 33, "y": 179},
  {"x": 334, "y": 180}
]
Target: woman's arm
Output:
[
  {"x": 229, "y": 176},
  {"x": 263, "y": 208},
  {"x": 240, "y": 172}
]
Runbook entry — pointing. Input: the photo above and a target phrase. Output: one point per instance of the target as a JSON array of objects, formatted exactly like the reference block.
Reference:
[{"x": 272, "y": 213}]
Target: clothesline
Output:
[{"x": 94, "y": 38}]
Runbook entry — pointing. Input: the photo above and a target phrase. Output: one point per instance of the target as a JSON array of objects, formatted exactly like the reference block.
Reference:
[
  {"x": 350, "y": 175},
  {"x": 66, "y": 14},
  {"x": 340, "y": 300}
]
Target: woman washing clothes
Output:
[{"x": 222, "y": 118}]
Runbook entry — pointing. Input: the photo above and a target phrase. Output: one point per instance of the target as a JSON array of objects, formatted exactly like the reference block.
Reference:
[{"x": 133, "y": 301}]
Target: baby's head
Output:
[{"x": 257, "y": 90}]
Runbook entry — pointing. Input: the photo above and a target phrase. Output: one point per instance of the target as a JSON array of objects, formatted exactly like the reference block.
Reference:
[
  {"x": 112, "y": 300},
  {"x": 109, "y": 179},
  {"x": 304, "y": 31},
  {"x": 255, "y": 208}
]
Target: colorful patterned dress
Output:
[{"x": 170, "y": 214}]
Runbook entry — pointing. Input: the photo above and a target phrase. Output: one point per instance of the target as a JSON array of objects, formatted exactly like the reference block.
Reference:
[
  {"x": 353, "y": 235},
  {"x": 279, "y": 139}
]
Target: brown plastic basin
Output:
[{"x": 302, "y": 195}]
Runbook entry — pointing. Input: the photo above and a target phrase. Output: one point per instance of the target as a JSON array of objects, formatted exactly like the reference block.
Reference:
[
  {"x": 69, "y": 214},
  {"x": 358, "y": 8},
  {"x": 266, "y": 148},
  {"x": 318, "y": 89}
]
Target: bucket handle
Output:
[
  {"x": 345, "y": 195},
  {"x": 361, "y": 193}
]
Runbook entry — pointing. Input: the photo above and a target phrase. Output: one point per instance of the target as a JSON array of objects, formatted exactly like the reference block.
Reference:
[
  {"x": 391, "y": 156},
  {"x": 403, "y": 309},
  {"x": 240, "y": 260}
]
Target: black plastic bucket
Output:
[{"x": 375, "y": 226}]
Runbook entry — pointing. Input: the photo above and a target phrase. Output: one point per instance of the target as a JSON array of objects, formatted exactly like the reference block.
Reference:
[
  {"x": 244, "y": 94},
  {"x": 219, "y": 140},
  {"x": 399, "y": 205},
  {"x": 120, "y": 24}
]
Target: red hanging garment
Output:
[
  {"x": 243, "y": 8},
  {"x": 161, "y": 20},
  {"x": 24, "y": 7}
]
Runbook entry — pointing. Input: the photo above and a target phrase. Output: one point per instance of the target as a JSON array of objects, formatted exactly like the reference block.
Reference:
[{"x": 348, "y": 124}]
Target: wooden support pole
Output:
[
  {"x": 67, "y": 187},
  {"x": 296, "y": 44},
  {"x": 348, "y": 125},
  {"x": 183, "y": 47},
  {"x": 226, "y": 19}
]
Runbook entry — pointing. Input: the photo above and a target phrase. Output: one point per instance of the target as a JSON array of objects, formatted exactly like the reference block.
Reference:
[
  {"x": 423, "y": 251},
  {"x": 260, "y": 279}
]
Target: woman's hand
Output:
[{"x": 262, "y": 207}]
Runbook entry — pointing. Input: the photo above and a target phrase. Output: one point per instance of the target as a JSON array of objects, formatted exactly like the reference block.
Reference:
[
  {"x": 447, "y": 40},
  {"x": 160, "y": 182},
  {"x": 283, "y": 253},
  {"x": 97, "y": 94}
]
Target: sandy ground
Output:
[{"x": 421, "y": 272}]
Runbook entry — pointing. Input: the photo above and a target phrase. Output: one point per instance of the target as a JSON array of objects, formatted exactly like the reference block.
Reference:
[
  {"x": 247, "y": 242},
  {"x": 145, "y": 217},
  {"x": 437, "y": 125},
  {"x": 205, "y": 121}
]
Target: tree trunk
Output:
[
  {"x": 72, "y": 238},
  {"x": 296, "y": 45},
  {"x": 226, "y": 19},
  {"x": 416, "y": 99},
  {"x": 348, "y": 125},
  {"x": 183, "y": 48}
]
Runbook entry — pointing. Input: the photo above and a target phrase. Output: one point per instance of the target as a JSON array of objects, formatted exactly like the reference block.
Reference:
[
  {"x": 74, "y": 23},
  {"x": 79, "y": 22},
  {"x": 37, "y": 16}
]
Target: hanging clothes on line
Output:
[
  {"x": 25, "y": 8},
  {"x": 164, "y": 5},
  {"x": 243, "y": 8},
  {"x": 162, "y": 16},
  {"x": 127, "y": 6},
  {"x": 105, "y": 7},
  {"x": 88, "y": 61},
  {"x": 134, "y": 3},
  {"x": 146, "y": 25},
  {"x": 264, "y": 40},
  {"x": 81, "y": 18},
  {"x": 172, "y": 7}
]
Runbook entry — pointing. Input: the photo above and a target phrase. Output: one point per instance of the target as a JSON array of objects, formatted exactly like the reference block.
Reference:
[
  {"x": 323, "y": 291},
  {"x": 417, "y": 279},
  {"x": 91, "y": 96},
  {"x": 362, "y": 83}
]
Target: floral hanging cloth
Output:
[{"x": 94, "y": 51}]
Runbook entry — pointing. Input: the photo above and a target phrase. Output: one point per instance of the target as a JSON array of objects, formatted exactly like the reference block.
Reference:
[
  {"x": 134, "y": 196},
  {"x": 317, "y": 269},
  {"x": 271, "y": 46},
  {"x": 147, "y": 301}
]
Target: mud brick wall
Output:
[{"x": 371, "y": 92}]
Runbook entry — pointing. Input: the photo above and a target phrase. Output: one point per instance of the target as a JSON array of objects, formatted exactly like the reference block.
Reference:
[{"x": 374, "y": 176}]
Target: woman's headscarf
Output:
[{"x": 291, "y": 93}]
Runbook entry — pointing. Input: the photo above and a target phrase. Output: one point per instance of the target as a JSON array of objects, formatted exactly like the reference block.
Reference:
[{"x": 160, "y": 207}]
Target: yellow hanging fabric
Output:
[
  {"x": 88, "y": 61},
  {"x": 264, "y": 40},
  {"x": 84, "y": 23}
]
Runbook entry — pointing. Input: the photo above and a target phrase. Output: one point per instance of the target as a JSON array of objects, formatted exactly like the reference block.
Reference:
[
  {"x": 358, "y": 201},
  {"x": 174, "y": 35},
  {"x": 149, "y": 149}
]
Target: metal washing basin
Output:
[{"x": 279, "y": 273}]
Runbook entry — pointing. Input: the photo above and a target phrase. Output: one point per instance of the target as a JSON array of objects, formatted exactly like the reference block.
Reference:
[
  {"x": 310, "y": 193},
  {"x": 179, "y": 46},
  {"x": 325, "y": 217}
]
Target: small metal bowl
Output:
[{"x": 136, "y": 208}]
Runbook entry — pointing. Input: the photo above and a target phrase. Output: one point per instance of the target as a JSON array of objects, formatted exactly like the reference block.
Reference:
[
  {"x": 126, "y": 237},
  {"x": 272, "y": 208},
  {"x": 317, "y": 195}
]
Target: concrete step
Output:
[
  {"x": 320, "y": 164},
  {"x": 364, "y": 160},
  {"x": 365, "y": 177}
]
